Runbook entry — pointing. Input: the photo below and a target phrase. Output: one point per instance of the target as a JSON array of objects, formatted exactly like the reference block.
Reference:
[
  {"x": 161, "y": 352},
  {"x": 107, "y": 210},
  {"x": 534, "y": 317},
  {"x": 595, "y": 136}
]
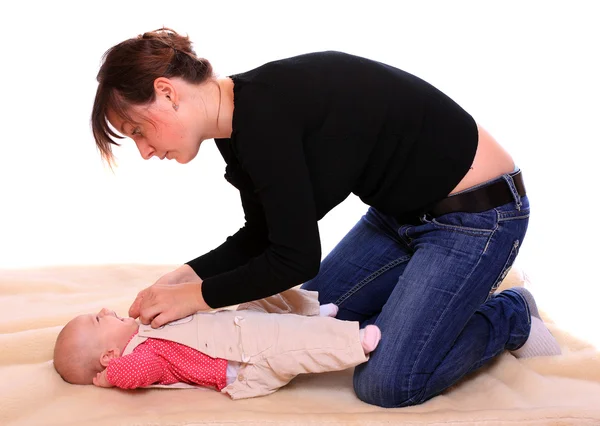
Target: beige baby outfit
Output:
[{"x": 274, "y": 339}]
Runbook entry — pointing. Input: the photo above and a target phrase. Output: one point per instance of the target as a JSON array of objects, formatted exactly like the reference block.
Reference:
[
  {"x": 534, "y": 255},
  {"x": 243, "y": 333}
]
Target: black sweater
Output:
[{"x": 307, "y": 132}]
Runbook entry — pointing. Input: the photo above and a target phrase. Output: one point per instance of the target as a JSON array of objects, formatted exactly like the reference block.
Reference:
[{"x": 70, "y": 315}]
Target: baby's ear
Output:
[{"x": 109, "y": 354}]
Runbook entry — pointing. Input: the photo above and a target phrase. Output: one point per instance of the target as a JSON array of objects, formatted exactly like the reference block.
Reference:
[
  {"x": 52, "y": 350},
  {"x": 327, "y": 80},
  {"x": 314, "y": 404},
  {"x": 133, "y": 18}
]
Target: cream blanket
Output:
[{"x": 36, "y": 303}]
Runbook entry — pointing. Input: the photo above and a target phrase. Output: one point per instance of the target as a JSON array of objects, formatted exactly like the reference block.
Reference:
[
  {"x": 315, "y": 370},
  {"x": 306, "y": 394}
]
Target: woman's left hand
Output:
[{"x": 163, "y": 303}]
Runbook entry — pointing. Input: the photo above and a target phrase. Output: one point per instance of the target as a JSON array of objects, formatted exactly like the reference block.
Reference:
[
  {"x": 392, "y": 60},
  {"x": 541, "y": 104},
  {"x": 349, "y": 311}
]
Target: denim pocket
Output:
[
  {"x": 507, "y": 265},
  {"x": 483, "y": 223}
]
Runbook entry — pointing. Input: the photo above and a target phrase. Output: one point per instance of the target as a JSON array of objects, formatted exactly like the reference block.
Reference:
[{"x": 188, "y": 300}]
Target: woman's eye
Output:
[{"x": 136, "y": 132}]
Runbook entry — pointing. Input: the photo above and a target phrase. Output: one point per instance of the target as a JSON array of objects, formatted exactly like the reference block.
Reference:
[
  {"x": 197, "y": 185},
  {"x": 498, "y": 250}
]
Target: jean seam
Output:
[
  {"x": 370, "y": 278},
  {"x": 526, "y": 306},
  {"x": 527, "y": 310},
  {"x": 412, "y": 399}
]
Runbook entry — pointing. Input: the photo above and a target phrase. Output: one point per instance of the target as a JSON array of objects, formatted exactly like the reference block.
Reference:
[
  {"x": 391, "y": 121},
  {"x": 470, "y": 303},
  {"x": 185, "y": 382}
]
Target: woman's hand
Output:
[{"x": 163, "y": 303}]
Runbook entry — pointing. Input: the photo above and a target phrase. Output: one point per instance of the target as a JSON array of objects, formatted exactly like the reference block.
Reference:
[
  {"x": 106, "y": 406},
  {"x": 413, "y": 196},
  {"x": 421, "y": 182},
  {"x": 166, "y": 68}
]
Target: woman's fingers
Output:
[
  {"x": 157, "y": 300},
  {"x": 134, "y": 309},
  {"x": 149, "y": 312},
  {"x": 162, "y": 318},
  {"x": 159, "y": 304},
  {"x": 151, "y": 304}
]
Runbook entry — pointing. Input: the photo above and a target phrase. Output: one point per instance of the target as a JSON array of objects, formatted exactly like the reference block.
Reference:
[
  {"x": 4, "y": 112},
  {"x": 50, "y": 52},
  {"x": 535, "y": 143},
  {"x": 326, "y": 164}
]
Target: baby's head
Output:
[{"x": 88, "y": 342}]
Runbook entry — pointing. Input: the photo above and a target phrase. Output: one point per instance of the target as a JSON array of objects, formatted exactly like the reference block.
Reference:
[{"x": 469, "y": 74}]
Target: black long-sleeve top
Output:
[{"x": 307, "y": 132}]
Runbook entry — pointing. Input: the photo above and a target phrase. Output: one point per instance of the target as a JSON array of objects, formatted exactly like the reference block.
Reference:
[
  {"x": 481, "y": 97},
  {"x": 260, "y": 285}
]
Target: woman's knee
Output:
[
  {"x": 369, "y": 392},
  {"x": 386, "y": 388}
]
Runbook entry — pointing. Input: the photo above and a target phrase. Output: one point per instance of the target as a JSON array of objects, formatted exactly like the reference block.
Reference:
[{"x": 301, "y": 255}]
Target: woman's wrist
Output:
[
  {"x": 187, "y": 274},
  {"x": 200, "y": 302}
]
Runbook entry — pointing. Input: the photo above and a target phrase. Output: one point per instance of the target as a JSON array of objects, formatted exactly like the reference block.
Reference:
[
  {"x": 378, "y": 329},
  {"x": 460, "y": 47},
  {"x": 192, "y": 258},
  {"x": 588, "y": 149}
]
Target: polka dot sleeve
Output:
[
  {"x": 136, "y": 370},
  {"x": 158, "y": 361}
]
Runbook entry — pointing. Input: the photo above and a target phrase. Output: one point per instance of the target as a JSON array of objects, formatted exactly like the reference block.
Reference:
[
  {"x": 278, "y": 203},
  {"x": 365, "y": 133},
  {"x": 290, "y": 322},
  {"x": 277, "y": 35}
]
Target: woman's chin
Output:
[{"x": 184, "y": 159}]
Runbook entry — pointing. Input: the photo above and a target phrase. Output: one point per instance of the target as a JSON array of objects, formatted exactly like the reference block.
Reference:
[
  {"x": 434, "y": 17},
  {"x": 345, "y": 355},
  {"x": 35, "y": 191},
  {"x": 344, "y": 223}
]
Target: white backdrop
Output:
[{"x": 526, "y": 70}]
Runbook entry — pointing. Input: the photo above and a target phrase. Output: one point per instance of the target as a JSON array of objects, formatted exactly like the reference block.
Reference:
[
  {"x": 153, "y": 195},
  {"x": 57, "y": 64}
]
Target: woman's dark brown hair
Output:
[{"x": 127, "y": 76}]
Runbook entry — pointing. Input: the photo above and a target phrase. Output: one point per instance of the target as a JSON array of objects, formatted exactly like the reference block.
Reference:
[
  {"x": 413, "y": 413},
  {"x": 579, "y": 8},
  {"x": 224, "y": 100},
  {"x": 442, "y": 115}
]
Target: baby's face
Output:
[
  {"x": 110, "y": 324},
  {"x": 106, "y": 326}
]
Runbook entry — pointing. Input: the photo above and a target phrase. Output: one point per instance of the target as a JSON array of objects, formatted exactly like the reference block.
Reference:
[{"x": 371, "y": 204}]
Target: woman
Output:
[{"x": 447, "y": 216}]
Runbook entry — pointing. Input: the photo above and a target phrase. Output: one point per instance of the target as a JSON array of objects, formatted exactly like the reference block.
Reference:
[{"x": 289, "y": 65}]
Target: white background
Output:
[{"x": 526, "y": 70}]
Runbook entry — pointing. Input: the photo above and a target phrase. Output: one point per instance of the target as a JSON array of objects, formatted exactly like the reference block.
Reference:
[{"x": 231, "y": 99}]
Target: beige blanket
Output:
[{"x": 35, "y": 304}]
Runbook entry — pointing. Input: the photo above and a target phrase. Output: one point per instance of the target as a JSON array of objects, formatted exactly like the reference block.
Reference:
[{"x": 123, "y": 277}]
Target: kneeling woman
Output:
[{"x": 447, "y": 207}]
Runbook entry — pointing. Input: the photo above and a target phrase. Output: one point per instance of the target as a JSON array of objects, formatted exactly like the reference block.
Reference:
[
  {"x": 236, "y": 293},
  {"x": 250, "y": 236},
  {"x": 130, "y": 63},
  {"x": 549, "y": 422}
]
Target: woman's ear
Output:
[
  {"x": 164, "y": 89},
  {"x": 109, "y": 354}
]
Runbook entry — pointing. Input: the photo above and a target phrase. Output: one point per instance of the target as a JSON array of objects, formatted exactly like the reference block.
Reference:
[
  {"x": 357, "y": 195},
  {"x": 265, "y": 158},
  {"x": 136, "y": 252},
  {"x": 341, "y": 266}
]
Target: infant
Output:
[{"x": 249, "y": 352}]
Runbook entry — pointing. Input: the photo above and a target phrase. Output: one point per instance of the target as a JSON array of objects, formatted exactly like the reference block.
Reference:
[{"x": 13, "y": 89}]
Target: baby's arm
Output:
[{"x": 136, "y": 370}]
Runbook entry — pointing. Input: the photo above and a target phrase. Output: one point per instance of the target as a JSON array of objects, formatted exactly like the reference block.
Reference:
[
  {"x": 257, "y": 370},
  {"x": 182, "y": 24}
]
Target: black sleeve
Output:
[{"x": 269, "y": 148}]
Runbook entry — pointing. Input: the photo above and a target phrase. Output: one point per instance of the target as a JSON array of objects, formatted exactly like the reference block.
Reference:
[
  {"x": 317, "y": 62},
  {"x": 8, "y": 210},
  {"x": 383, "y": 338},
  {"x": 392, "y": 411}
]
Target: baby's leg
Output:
[
  {"x": 293, "y": 301},
  {"x": 305, "y": 344},
  {"x": 319, "y": 344}
]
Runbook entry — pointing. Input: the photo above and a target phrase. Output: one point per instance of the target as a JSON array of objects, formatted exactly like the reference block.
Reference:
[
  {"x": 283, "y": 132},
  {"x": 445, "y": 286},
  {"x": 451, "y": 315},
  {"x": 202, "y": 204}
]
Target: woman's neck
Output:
[{"x": 224, "y": 120}]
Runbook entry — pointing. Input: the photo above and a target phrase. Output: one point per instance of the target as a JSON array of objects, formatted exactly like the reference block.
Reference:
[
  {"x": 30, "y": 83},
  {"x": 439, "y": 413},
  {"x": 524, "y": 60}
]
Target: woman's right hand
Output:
[
  {"x": 183, "y": 274},
  {"x": 169, "y": 286}
]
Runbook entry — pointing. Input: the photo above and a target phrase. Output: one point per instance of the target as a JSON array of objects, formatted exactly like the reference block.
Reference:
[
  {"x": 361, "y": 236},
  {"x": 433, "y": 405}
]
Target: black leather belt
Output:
[{"x": 480, "y": 199}]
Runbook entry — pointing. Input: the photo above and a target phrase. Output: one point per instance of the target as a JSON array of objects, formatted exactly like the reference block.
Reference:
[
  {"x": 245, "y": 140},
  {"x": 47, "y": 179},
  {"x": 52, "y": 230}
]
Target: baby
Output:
[{"x": 245, "y": 353}]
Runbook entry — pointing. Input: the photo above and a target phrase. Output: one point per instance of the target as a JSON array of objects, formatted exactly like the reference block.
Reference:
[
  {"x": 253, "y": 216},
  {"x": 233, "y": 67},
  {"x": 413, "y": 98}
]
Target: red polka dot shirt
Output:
[{"x": 158, "y": 361}]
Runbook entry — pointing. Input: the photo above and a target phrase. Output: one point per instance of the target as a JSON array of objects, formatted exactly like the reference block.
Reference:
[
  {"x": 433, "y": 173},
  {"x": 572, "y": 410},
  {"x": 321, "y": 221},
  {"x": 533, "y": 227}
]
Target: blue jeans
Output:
[{"x": 430, "y": 289}]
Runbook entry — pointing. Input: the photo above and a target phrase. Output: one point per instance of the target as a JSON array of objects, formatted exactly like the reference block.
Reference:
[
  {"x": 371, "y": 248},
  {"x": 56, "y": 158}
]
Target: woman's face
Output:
[{"x": 161, "y": 131}]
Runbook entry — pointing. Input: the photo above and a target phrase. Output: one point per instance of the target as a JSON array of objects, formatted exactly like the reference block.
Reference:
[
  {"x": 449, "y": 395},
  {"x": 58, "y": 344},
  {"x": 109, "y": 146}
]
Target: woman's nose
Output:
[{"x": 146, "y": 151}]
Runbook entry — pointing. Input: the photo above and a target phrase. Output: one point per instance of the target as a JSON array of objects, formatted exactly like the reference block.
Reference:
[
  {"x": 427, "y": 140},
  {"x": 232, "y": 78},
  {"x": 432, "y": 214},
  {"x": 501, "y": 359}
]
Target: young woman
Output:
[{"x": 447, "y": 207}]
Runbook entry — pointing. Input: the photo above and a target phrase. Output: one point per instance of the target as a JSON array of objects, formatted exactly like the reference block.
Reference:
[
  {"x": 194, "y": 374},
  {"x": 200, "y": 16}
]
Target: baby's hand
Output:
[{"x": 101, "y": 381}]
